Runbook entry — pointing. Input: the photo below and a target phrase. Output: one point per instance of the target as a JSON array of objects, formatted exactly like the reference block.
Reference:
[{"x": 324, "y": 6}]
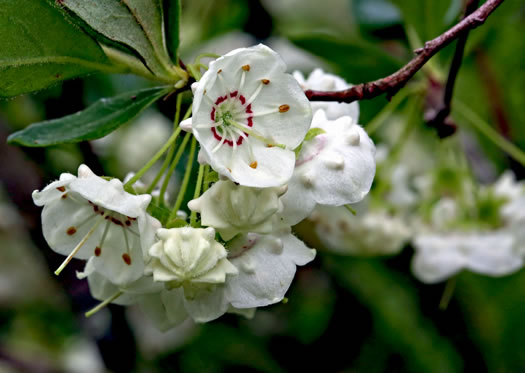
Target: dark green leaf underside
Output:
[
  {"x": 98, "y": 120},
  {"x": 40, "y": 47}
]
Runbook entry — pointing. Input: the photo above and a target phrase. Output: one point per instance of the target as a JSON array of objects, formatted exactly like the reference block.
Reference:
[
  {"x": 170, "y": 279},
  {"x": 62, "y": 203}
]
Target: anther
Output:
[
  {"x": 284, "y": 108},
  {"x": 71, "y": 231},
  {"x": 265, "y": 81},
  {"x": 61, "y": 189},
  {"x": 253, "y": 164},
  {"x": 246, "y": 67},
  {"x": 126, "y": 258},
  {"x": 219, "y": 71},
  {"x": 64, "y": 196},
  {"x": 98, "y": 251}
]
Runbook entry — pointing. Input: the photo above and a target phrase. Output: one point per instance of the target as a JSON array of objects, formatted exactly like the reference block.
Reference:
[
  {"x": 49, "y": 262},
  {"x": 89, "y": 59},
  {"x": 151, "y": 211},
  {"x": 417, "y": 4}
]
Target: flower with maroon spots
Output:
[
  {"x": 248, "y": 116},
  {"x": 88, "y": 216}
]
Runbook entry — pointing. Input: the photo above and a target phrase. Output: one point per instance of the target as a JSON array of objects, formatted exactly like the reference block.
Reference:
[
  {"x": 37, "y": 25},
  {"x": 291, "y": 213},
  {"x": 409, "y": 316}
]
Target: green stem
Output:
[
  {"x": 349, "y": 208},
  {"x": 206, "y": 185},
  {"x": 387, "y": 111},
  {"x": 204, "y": 55},
  {"x": 491, "y": 134},
  {"x": 450, "y": 286},
  {"x": 167, "y": 177},
  {"x": 152, "y": 161},
  {"x": 103, "y": 304},
  {"x": 185, "y": 180},
  {"x": 193, "y": 216},
  {"x": 169, "y": 157}
]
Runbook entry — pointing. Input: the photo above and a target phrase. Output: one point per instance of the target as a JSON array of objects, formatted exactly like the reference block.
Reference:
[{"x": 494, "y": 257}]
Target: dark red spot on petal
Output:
[
  {"x": 128, "y": 223},
  {"x": 242, "y": 99},
  {"x": 126, "y": 258},
  {"x": 233, "y": 94},
  {"x": 95, "y": 208},
  {"x": 116, "y": 221},
  {"x": 71, "y": 231}
]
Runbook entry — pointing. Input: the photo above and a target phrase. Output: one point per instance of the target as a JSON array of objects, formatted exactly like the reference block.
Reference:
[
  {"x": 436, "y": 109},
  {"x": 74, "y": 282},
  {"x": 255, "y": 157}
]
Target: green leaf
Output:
[
  {"x": 172, "y": 10},
  {"x": 40, "y": 48},
  {"x": 98, "y": 120},
  {"x": 130, "y": 23},
  {"x": 355, "y": 60}
]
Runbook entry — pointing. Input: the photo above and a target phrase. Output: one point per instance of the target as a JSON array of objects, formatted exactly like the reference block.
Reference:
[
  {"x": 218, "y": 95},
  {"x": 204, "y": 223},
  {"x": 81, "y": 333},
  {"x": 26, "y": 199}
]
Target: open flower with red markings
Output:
[
  {"x": 249, "y": 115},
  {"x": 88, "y": 216}
]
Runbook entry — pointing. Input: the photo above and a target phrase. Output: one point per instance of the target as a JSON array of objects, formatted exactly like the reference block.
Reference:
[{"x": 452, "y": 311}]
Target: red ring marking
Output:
[{"x": 249, "y": 120}]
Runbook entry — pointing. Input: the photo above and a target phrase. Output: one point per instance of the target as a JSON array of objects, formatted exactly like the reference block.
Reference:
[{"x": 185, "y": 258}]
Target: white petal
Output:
[{"x": 266, "y": 270}]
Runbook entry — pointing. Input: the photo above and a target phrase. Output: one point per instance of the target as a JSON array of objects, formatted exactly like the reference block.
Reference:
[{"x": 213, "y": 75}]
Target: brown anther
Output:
[
  {"x": 284, "y": 108},
  {"x": 246, "y": 67},
  {"x": 253, "y": 164},
  {"x": 219, "y": 71},
  {"x": 95, "y": 208},
  {"x": 71, "y": 231},
  {"x": 61, "y": 189},
  {"x": 64, "y": 196},
  {"x": 128, "y": 223},
  {"x": 269, "y": 145},
  {"x": 229, "y": 169},
  {"x": 265, "y": 81},
  {"x": 116, "y": 221},
  {"x": 98, "y": 251},
  {"x": 126, "y": 258}
]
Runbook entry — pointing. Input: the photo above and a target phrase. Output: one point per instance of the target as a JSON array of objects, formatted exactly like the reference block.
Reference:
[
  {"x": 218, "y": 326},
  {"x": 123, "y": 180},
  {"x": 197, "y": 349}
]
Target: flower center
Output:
[{"x": 231, "y": 116}]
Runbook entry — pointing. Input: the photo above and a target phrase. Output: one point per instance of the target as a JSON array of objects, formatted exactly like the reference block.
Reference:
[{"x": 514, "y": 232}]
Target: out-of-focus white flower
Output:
[
  {"x": 336, "y": 167},
  {"x": 320, "y": 81},
  {"x": 249, "y": 115},
  {"x": 88, "y": 216},
  {"x": 365, "y": 234},
  {"x": 233, "y": 209},
  {"x": 440, "y": 256}
]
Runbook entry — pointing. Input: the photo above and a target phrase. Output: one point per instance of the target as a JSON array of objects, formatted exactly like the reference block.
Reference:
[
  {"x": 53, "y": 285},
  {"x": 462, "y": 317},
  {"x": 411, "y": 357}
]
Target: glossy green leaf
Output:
[
  {"x": 171, "y": 26},
  {"x": 126, "y": 22},
  {"x": 355, "y": 60},
  {"x": 98, "y": 120},
  {"x": 40, "y": 47}
]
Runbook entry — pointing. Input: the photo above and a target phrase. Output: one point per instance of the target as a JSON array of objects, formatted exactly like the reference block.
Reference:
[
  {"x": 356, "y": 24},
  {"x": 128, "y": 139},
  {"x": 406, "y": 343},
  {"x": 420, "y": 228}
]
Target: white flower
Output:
[
  {"x": 267, "y": 265},
  {"x": 192, "y": 266},
  {"x": 440, "y": 256},
  {"x": 320, "y": 81},
  {"x": 367, "y": 233},
  {"x": 89, "y": 216},
  {"x": 233, "y": 209},
  {"x": 249, "y": 115},
  {"x": 335, "y": 168}
]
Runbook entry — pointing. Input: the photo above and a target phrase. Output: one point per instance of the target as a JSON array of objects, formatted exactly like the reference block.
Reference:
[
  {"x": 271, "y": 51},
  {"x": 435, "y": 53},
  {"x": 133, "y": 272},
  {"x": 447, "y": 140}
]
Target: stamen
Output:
[
  {"x": 255, "y": 94},
  {"x": 253, "y": 164},
  {"x": 265, "y": 81},
  {"x": 223, "y": 82},
  {"x": 126, "y": 256},
  {"x": 233, "y": 137},
  {"x": 101, "y": 243},
  {"x": 219, "y": 145},
  {"x": 284, "y": 108},
  {"x": 246, "y": 67},
  {"x": 77, "y": 248},
  {"x": 247, "y": 115},
  {"x": 210, "y": 125},
  {"x": 103, "y": 304},
  {"x": 253, "y": 133},
  {"x": 243, "y": 77}
]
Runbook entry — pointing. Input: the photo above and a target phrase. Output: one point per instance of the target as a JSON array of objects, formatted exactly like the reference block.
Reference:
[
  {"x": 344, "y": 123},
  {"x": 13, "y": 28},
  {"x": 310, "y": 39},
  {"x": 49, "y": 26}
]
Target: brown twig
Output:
[
  {"x": 394, "y": 82},
  {"x": 437, "y": 117}
]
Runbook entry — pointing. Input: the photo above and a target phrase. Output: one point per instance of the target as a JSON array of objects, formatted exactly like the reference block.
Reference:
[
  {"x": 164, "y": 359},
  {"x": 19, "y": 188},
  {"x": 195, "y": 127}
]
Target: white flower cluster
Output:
[{"x": 276, "y": 164}]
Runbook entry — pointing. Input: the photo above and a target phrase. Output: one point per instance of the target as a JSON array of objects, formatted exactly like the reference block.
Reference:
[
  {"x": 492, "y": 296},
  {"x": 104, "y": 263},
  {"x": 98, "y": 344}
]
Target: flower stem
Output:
[
  {"x": 153, "y": 160},
  {"x": 205, "y": 184},
  {"x": 103, "y": 304},
  {"x": 169, "y": 156},
  {"x": 167, "y": 177},
  {"x": 185, "y": 180},
  {"x": 200, "y": 176},
  {"x": 450, "y": 286},
  {"x": 491, "y": 134},
  {"x": 387, "y": 111},
  {"x": 349, "y": 208}
]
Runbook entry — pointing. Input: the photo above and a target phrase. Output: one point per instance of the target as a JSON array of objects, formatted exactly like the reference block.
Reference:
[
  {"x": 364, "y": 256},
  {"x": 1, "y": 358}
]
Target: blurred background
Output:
[{"x": 344, "y": 313}]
